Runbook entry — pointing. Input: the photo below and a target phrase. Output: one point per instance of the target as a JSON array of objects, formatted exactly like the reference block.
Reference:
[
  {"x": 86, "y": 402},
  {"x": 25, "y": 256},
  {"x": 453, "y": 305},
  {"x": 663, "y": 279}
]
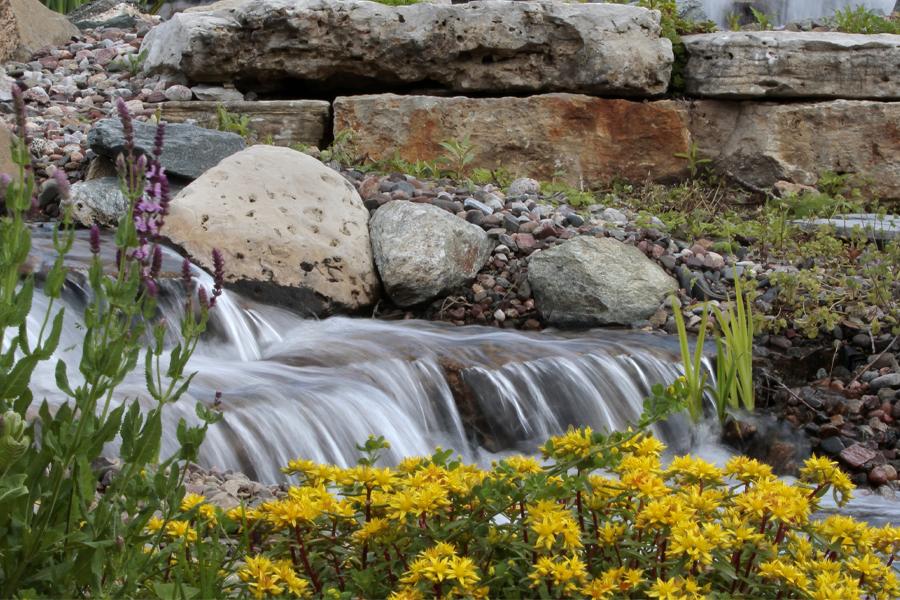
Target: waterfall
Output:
[
  {"x": 787, "y": 11},
  {"x": 296, "y": 387}
]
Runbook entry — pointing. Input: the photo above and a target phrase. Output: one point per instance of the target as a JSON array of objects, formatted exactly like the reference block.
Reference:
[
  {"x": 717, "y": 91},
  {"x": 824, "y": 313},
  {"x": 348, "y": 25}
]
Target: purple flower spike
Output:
[
  {"x": 95, "y": 239},
  {"x": 186, "y": 277},
  {"x": 156, "y": 262},
  {"x": 62, "y": 183},
  {"x": 19, "y": 109},
  {"x": 217, "y": 400},
  {"x": 151, "y": 287},
  {"x": 218, "y": 274},
  {"x": 127, "y": 125},
  {"x": 158, "y": 140},
  {"x": 203, "y": 297}
]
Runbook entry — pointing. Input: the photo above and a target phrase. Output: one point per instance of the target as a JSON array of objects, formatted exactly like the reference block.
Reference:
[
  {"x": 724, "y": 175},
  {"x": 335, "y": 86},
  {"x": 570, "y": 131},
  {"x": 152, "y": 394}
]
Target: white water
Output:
[
  {"x": 314, "y": 389},
  {"x": 788, "y": 11}
]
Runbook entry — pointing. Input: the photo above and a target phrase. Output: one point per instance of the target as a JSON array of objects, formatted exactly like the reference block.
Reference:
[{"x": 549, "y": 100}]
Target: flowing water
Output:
[
  {"x": 788, "y": 11},
  {"x": 298, "y": 387}
]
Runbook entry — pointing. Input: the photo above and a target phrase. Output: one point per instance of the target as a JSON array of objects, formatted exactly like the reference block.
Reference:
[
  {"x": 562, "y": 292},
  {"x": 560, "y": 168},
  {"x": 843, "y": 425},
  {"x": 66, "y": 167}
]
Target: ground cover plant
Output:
[{"x": 61, "y": 534}]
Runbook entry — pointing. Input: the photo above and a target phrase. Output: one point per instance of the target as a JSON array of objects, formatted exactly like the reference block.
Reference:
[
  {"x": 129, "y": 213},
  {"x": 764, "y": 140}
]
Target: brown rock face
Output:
[
  {"x": 762, "y": 143},
  {"x": 27, "y": 25},
  {"x": 284, "y": 122},
  {"x": 589, "y": 140}
]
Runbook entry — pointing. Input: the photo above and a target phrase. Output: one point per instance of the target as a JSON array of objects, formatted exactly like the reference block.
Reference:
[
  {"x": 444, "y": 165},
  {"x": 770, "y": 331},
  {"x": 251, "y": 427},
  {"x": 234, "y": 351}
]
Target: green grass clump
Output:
[{"x": 863, "y": 20}]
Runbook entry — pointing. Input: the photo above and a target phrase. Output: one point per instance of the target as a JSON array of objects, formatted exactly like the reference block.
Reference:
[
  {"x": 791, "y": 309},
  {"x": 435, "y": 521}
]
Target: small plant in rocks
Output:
[
  {"x": 860, "y": 19},
  {"x": 61, "y": 533}
]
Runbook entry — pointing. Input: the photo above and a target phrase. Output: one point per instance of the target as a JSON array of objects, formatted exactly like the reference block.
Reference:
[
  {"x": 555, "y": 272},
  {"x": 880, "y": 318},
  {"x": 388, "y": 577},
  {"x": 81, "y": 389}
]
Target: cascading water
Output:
[
  {"x": 787, "y": 11},
  {"x": 294, "y": 387}
]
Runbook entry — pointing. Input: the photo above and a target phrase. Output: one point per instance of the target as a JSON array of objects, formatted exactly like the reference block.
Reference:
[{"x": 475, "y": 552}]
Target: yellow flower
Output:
[
  {"x": 207, "y": 512},
  {"x": 785, "y": 572},
  {"x": 372, "y": 530},
  {"x": 181, "y": 530},
  {"x": 822, "y": 471},
  {"x": 576, "y": 443},
  {"x": 665, "y": 589},
  {"x": 688, "y": 540},
  {"x": 747, "y": 470},
  {"x": 523, "y": 465},
  {"x": 154, "y": 525},
  {"x": 241, "y": 513},
  {"x": 463, "y": 570},
  {"x": 190, "y": 501},
  {"x": 694, "y": 470},
  {"x": 294, "y": 584},
  {"x": 261, "y": 576},
  {"x": 409, "y": 593}
]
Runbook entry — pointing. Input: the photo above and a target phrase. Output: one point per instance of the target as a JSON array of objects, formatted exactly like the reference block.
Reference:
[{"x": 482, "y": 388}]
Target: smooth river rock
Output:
[
  {"x": 293, "y": 231},
  {"x": 283, "y": 122},
  {"x": 574, "y": 137},
  {"x": 27, "y": 26},
  {"x": 423, "y": 251},
  {"x": 762, "y": 142},
  {"x": 188, "y": 150},
  {"x": 589, "y": 281},
  {"x": 353, "y": 45},
  {"x": 786, "y": 64}
]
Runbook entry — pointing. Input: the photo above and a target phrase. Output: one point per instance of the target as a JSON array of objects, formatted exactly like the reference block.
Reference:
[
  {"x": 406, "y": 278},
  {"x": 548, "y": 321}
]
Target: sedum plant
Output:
[
  {"x": 62, "y": 533},
  {"x": 601, "y": 516}
]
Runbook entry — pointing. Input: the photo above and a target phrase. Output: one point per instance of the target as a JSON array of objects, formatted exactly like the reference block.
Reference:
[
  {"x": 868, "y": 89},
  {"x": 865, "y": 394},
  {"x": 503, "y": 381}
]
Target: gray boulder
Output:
[
  {"x": 787, "y": 64},
  {"x": 422, "y": 251},
  {"x": 590, "y": 281},
  {"x": 98, "y": 201},
  {"x": 486, "y": 47},
  {"x": 188, "y": 151}
]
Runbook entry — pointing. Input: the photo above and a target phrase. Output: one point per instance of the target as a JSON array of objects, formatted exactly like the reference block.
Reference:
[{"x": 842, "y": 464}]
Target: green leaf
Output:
[
  {"x": 16, "y": 382},
  {"x": 50, "y": 344},
  {"x": 62, "y": 378}
]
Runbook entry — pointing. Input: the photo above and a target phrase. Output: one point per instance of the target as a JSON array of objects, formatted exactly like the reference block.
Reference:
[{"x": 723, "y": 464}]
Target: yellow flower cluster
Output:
[{"x": 635, "y": 528}]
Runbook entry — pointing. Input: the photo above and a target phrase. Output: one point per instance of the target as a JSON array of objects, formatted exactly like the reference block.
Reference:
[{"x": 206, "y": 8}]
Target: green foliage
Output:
[
  {"x": 134, "y": 62},
  {"x": 60, "y": 534},
  {"x": 762, "y": 19},
  {"x": 64, "y": 6},
  {"x": 694, "y": 159},
  {"x": 734, "y": 22},
  {"x": 564, "y": 193},
  {"x": 863, "y": 20},
  {"x": 692, "y": 384},
  {"x": 734, "y": 354},
  {"x": 340, "y": 150},
  {"x": 457, "y": 156},
  {"x": 232, "y": 122}
]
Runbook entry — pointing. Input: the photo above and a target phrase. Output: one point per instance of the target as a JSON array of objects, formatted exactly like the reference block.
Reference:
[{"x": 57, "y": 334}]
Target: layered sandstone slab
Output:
[
  {"x": 485, "y": 47},
  {"x": 578, "y": 138},
  {"x": 280, "y": 122},
  {"x": 786, "y": 64},
  {"x": 761, "y": 142}
]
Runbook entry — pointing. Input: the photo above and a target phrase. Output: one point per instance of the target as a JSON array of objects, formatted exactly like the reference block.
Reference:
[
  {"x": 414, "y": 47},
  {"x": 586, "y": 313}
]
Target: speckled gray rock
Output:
[
  {"x": 474, "y": 47},
  {"x": 422, "y": 251},
  {"x": 188, "y": 151},
  {"x": 97, "y": 201},
  {"x": 590, "y": 281},
  {"x": 787, "y": 64}
]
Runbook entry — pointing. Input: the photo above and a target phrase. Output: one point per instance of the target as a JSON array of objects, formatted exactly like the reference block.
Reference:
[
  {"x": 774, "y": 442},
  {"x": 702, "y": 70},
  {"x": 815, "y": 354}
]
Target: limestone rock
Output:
[
  {"x": 285, "y": 122},
  {"x": 423, "y": 251},
  {"x": 106, "y": 13},
  {"x": 588, "y": 140},
  {"x": 292, "y": 231},
  {"x": 188, "y": 150},
  {"x": 590, "y": 281},
  {"x": 217, "y": 93},
  {"x": 353, "y": 45},
  {"x": 97, "y": 201},
  {"x": 762, "y": 143},
  {"x": 786, "y": 64},
  {"x": 27, "y": 26}
]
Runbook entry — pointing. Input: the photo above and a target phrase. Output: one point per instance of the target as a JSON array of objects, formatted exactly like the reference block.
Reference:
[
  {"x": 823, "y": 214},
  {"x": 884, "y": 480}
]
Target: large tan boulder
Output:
[
  {"x": 761, "y": 143},
  {"x": 27, "y": 26},
  {"x": 788, "y": 64},
  {"x": 353, "y": 45},
  {"x": 578, "y": 138},
  {"x": 292, "y": 231}
]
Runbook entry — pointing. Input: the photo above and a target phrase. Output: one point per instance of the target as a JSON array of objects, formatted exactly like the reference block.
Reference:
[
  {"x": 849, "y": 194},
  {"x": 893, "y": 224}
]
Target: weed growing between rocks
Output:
[{"x": 62, "y": 535}]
